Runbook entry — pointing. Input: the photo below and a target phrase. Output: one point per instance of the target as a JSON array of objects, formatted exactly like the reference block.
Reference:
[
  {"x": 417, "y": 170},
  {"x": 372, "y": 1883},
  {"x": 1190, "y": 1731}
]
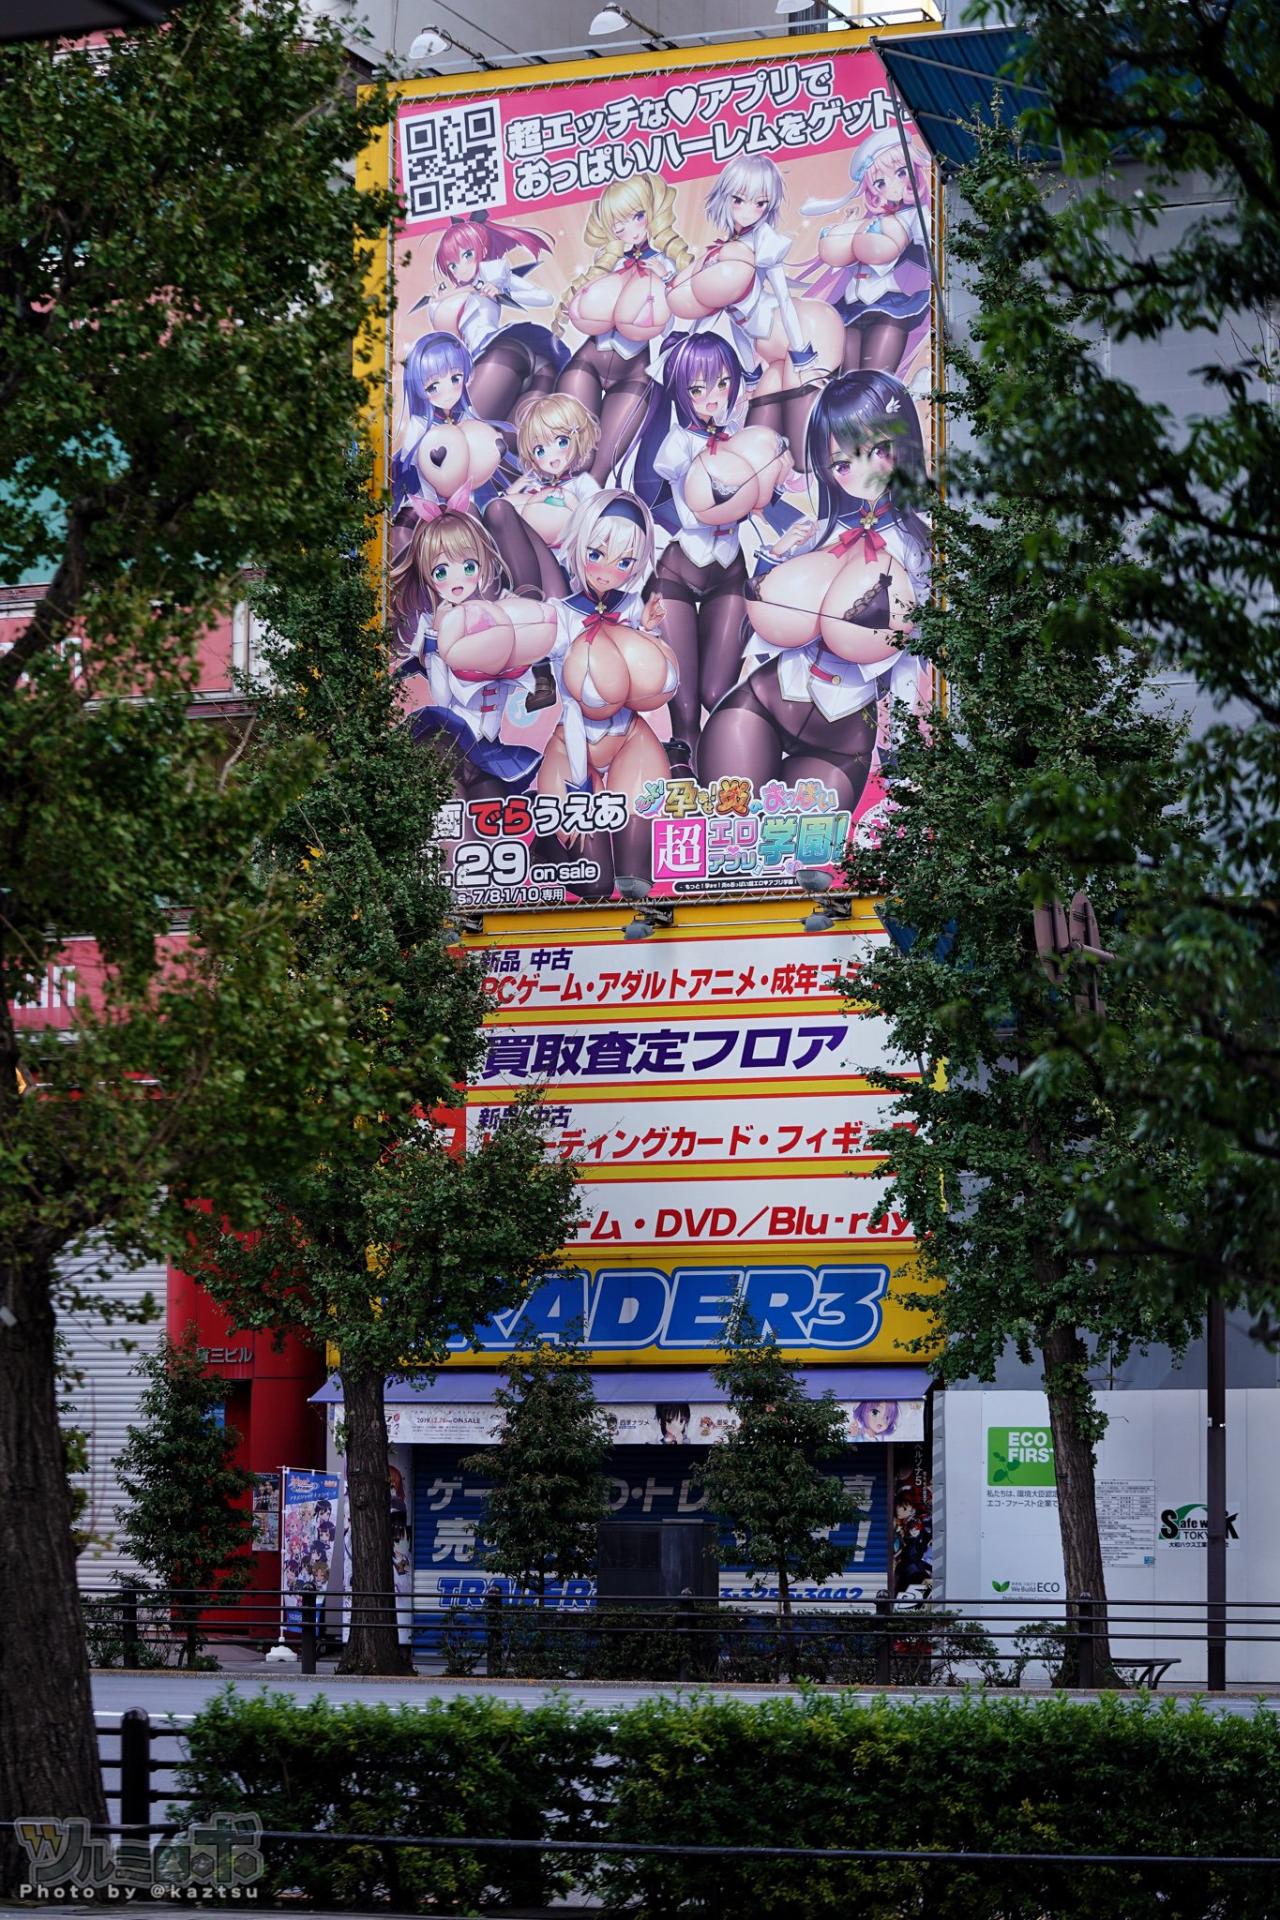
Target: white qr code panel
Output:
[{"x": 451, "y": 161}]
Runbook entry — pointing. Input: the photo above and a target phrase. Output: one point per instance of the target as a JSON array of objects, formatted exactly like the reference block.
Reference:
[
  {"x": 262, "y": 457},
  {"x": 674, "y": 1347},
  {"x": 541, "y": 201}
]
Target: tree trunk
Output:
[
  {"x": 48, "y": 1747},
  {"x": 1065, "y": 1358},
  {"x": 784, "y": 1607},
  {"x": 373, "y": 1645}
]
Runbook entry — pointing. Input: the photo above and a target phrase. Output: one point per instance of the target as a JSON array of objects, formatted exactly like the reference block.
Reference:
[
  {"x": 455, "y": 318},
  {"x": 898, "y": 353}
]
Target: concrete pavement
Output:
[{"x": 183, "y": 1694}]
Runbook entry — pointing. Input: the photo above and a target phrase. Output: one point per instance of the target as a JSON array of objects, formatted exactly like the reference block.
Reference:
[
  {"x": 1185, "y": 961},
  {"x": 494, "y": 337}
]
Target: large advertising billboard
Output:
[
  {"x": 661, "y": 349},
  {"x": 712, "y": 1086}
]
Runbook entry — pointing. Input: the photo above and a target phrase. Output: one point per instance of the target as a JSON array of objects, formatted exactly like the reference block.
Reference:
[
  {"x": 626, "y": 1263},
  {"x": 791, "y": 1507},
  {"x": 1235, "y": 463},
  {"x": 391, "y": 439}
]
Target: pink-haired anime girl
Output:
[
  {"x": 859, "y": 256},
  {"x": 476, "y": 281}
]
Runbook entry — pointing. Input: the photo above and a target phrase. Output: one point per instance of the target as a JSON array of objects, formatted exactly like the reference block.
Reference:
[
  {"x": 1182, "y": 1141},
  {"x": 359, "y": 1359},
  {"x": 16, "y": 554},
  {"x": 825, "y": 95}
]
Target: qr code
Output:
[{"x": 451, "y": 161}]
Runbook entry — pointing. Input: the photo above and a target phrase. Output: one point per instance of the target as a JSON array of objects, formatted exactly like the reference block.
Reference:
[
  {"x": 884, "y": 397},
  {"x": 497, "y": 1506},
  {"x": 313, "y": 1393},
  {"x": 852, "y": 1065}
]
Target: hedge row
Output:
[{"x": 973, "y": 1773}]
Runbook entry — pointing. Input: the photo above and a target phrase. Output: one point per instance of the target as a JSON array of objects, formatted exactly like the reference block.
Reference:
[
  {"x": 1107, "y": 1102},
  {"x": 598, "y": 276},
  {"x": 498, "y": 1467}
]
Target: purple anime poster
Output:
[{"x": 662, "y": 352}]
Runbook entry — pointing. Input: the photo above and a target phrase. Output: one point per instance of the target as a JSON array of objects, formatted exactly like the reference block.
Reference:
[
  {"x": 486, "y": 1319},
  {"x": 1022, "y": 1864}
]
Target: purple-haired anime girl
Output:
[
  {"x": 875, "y": 1419},
  {"x": 443, "y": 449},
  {"x": 704, "y": 476}
]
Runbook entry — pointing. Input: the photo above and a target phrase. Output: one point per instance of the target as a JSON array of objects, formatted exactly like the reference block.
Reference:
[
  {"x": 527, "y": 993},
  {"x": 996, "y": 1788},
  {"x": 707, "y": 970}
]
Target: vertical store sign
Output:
[
  {"x": 660, "y": 349},
  {"x": 714, "y": 1090}
]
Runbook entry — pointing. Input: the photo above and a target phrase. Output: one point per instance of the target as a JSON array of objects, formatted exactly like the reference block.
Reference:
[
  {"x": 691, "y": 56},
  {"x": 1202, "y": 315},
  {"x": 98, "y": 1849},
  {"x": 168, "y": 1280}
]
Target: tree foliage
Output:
[
  {"x": 765, "y": 1475},
  {"x": 549, "y": 1493},
  {"x": 390, "y": 1243},
  {"x": 1167, "y": 119},
  {"x": 176, "y": 1469},
  {"x": 181, "y": 289},
  {"x": 1045, "y": 691}
]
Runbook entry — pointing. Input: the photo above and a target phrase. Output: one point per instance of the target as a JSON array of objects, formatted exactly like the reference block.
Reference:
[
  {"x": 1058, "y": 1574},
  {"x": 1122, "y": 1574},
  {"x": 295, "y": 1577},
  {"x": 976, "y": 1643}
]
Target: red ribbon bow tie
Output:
[{"x": 872, "y": 544}]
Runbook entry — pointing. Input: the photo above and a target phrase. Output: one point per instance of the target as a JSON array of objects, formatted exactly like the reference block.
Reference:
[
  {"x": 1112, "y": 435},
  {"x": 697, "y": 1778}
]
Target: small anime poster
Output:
[
  {"x": 662, "y": 351},
  {"x": 266, "y": 1513},
  {"x": 310, "y": 1536},
  {"x": 399, "y": 1480},
  {"x": 913, "y": 1526}
]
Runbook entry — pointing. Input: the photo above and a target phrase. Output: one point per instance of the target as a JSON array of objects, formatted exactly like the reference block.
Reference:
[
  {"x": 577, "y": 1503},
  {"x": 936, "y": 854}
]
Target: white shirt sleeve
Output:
[
  {"x": 580, "y": 487},
  {"x": 438, "y": 677},
  {"x": 516, "y": 289},
  {"x": 672, "y": 461}
]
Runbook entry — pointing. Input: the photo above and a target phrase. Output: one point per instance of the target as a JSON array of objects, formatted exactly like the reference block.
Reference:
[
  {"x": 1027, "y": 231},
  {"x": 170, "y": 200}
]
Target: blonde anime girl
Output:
[
  {"x": 556, "y": 440},
  {"x": 620, "y": 304}
]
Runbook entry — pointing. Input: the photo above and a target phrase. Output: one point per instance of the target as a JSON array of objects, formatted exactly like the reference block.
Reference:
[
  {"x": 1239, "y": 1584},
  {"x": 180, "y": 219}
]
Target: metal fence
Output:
[{"x": 1078, "y": 1642}]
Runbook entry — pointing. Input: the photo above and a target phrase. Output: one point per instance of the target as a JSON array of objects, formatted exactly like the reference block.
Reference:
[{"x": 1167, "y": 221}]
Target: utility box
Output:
[{"x": 657, "y": 1560}]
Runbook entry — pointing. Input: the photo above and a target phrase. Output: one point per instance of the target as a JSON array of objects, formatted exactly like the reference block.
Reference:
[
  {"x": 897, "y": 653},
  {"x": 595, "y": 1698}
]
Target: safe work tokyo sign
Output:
[{"x": 713, "y": 1089}]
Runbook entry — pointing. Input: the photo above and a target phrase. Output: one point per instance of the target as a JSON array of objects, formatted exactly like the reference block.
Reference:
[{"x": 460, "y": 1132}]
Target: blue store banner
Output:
[{"x": 644, "y": 1485}]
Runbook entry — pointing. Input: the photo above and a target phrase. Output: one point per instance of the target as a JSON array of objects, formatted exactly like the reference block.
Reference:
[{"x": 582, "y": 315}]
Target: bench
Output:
[{"x": 1144, "y": 1673}]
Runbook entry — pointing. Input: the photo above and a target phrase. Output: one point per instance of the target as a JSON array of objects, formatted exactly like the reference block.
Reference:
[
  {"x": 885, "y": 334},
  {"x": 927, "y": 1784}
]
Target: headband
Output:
[{"x": 629, "y": 510}]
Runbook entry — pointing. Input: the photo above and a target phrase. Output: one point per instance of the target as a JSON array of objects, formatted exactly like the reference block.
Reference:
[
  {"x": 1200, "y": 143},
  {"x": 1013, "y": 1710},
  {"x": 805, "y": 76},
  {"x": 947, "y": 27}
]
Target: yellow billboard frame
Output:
[{"x": 907, "y": 1334}]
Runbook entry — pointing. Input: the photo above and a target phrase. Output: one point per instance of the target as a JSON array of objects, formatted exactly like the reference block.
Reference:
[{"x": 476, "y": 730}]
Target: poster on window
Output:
[
  {"x": 661, "y": 351},
  {"x": 399, "y": 1476},
  {"x": 266, "y": 1513}
]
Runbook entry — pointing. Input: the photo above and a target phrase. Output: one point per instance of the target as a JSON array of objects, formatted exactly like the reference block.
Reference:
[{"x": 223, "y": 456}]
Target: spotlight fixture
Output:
[
  {"x": 836, "y": 906},
  {"x": 432, "y": 42},
  {"x": 470, "y": 923},
  {"x": 615, "y": 19},
  {"x": 650, "y": 915},
  {"x": 814, "y": 879}
]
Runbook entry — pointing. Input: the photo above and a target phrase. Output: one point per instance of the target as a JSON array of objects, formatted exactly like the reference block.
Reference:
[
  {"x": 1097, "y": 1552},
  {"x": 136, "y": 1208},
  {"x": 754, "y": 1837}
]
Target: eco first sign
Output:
[{"x": 1020, "y": 1457}]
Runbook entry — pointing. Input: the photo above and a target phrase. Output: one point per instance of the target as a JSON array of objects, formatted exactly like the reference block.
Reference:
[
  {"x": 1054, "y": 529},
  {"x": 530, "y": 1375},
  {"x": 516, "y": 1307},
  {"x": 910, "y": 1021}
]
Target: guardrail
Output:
[{"x": 881, "y": 1642}]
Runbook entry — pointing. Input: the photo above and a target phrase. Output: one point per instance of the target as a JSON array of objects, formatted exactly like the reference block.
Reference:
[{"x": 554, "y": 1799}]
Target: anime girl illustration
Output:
[
  {"x": 477, "y": 281},
  {"x": 612, "y": 668},
  {"x": 742, "y": 278},
  {"x": 620, "y": 304},
  {"x": 673, "y": 1418},
  {"x": 443, "y": 447},
  {"x": 875, "y": 1419},
  {"x": 860, "y": 254},
  {"x": 704, "y": 475},
  {"x": 832, "y": 599},
  {"x": 555, "y": 438},
  {"x": 480, "y": 647}
]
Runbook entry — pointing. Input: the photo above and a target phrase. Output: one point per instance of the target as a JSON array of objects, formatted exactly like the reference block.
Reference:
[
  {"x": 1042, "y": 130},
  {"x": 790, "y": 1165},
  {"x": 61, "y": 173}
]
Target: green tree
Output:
[
  {"x": 389, "y": 1244},
  {"x": 181, "y": 289},
  {"x": 1044, "y": 686},
  {"x": 1167, "y": 119},
  {"x": 765, "y": 1475},
  {"x": 176, "y": 1469},
  {"x": 549, "y": 1494}
]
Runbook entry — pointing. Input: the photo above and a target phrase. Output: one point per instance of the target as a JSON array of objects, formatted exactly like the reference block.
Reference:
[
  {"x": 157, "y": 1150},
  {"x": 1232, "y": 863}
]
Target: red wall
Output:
[{"x": 267, "y": 1393}]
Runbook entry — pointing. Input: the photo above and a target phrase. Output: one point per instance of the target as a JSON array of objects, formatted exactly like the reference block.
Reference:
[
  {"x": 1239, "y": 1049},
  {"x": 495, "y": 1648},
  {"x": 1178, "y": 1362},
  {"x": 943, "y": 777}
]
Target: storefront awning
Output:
[
  {"x": 947, "y": 81},
  {"x": 473, "y": 1386}
]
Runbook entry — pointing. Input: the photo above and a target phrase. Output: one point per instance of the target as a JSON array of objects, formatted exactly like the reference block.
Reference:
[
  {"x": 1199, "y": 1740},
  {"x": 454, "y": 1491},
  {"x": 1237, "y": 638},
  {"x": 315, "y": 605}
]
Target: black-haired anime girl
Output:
[{"x": 833, "y": 600}]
